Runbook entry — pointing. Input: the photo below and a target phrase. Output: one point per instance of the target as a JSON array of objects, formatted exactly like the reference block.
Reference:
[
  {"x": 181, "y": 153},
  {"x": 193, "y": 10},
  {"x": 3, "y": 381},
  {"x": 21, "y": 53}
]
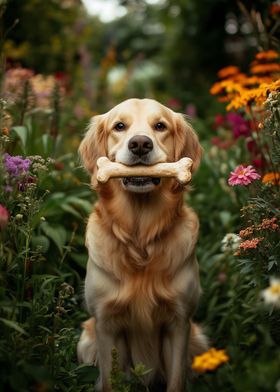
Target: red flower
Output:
[{"x": 4, "y": 217}]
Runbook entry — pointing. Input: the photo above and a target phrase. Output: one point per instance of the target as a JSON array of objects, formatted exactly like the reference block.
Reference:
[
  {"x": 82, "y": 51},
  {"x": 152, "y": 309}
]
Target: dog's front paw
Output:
[{"x": 100, "y": 387}]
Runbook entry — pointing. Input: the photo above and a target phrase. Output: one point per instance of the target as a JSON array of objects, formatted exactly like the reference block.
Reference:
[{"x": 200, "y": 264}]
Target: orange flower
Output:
[
  {"x": 209, "y": 360},
  {"x": 225, "y": 86},
  {"x": 268, "y": 55},
  {"x": 250, "y": 244},
  {"x": 268, "y": 224},
  {"x": 265, "y": 68},
  {"x": 228, "y": 71},
  {"x": 5, "y": 131},
  {"x": 271, "y": 178},
  {"x": 246, "y": 232},
  {"x": 256, "y": 96}
]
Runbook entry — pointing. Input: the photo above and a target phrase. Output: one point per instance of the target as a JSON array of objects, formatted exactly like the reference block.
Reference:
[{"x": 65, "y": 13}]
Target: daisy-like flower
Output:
[
  {"x": 230, "y": 242},
  {"x": 271, "y": 294},
  {"x": 243, "y": 175},
  {"x": 4, "y": 217},
  {"x": 209, "y": 360}
]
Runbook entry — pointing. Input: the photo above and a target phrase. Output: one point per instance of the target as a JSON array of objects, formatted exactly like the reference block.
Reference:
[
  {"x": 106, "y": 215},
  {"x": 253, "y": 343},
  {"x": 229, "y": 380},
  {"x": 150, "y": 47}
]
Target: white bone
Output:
[{"x": 181, "y": 170}]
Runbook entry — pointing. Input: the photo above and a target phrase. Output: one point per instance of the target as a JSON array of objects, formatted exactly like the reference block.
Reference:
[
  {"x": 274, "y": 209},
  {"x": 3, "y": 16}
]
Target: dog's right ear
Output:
[{"x": 93, "y": 144}]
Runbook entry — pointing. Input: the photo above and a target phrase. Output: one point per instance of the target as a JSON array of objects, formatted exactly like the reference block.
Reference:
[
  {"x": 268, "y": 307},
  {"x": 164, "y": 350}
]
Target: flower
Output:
[
  {"x": 243, "y": 175},
  {"x": 265, "y": 68},
  {"x": 14, "y": 82},
  {"x": 223, "y": 144},
  {"x": 43, "y": 88},
  {"x": 4, "y": 217},
  {"x": 268, "y": 224},
  {"x": 16, "y": 165},
  {"x": 246, "y": 232},
  {"x": 230, "y": 242},
  {"x": 174, "y": 103},
  {"x": 250, "y": 244},
  {"x": 274, "y": 9},
  {"x": 209, "y": 360},
  {"x": 240, "y": 127},
  {"x": 271, "y": 295},
  {"x": 226, "y": 86},
  {"x": 228, "y": 71},
  {"x": 268, "y": 55},
  {"x": 271, "y": 178}
]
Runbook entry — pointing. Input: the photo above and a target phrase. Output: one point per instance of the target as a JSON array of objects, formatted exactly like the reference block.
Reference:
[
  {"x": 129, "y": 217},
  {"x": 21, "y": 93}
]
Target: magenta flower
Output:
[
  {"x": 16, "y": 165},
  {"x": 240, "y": 127},
  {"x": 4, "y": 217},
  {"x": 243, "y": 175}
]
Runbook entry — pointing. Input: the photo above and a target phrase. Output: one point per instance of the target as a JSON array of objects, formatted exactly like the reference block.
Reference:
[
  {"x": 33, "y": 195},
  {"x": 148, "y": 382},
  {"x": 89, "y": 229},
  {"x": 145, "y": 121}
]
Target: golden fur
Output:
[{"x": 142, "y": 282}]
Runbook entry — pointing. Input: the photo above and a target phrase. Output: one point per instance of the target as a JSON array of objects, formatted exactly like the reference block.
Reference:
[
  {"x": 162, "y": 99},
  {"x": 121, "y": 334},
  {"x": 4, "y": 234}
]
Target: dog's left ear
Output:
[{"x": 186, "y": 142}]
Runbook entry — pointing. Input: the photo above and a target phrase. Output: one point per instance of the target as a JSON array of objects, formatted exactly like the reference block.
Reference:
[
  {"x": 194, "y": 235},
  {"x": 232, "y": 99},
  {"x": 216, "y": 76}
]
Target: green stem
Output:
[{"x": 27, "y": 244}]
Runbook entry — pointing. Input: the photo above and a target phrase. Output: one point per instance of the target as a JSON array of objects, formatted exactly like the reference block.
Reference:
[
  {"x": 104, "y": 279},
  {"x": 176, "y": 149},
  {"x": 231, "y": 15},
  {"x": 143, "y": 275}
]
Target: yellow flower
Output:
[
  {"x": 225, "y": 86},
  {"x": 271, "y": 178},
  {"x": 256, "y": 95},
  {"x": 209, "y": 360}
]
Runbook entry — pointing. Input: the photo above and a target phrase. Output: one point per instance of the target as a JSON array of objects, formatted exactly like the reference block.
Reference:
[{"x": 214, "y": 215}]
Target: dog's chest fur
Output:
[{"x": 141, "y": 286}]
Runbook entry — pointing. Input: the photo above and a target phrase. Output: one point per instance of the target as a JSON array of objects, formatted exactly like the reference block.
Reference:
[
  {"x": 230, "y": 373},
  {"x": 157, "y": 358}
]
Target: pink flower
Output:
[
  {"x": 4, "y": 217},
  {"x": 243, "y": 175}
]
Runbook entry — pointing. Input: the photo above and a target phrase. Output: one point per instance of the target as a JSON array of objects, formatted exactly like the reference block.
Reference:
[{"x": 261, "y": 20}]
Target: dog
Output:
[{"x": 142, "y": 280}]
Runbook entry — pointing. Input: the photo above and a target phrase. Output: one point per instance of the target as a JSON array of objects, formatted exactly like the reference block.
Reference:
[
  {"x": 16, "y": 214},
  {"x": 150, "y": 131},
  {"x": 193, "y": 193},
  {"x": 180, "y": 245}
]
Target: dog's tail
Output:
[
  {"x": 198, "y": 343},
  {"x": 86, "y": 349}
]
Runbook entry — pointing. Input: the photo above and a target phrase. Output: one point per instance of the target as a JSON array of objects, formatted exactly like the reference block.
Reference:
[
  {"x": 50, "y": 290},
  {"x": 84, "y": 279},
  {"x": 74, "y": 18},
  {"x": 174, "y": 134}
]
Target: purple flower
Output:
[{"x": 16, "y": 165}]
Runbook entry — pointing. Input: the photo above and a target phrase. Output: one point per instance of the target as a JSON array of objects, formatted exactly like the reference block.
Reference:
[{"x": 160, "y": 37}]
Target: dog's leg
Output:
[
  {"x": 175, "y": 356},
  {"x": 105, "y": 343}
]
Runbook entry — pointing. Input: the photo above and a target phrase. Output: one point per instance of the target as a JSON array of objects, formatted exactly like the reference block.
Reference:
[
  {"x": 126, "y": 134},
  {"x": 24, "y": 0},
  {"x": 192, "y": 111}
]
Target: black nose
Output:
[{"x": 140, "y": 145}]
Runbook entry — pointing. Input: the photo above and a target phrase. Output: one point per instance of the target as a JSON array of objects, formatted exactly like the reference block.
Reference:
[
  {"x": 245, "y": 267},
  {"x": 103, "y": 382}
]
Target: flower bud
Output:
[{"x": 4, "y": 217}]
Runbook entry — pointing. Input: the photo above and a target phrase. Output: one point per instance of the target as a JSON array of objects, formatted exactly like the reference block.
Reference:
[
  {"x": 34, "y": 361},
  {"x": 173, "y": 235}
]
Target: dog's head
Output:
[{"x": 139, "y": 131}]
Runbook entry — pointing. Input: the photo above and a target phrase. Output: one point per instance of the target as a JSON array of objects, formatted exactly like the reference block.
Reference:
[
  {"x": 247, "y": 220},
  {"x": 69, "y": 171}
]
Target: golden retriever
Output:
[{"x": 142, "y": 282}]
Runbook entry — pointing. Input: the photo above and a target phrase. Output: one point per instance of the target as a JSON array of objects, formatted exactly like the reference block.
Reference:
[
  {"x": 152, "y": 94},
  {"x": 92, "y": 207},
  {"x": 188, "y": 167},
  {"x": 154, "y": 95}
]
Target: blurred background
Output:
[{"x": 111, "y": 50}]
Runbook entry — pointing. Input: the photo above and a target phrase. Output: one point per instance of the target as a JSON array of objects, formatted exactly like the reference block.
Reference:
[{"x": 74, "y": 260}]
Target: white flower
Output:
[
  {"x": 271, "y": 295},
  {"x": 230, "y": 242},
  {"x": 277, "y": 386}
]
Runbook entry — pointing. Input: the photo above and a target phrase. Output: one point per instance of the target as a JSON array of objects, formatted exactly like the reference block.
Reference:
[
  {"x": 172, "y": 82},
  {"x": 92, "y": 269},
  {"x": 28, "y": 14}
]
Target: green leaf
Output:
[
  {"x": 22, "y": 134},
  {"x": 13, "y": 325},
  {"x": 56, "y": 233},
  {"x": 71, "y": 210},
  {"x": 85, "y": 205},
  {"x": 42, "y": 242},
  {"x": 47, "y": 143}
]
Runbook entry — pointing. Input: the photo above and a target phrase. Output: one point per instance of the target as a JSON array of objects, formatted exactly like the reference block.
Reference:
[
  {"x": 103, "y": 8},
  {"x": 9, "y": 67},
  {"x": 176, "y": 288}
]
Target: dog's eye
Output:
[
  {"x": 120, "y": 126},
  {"x": 160, "y": 126}
]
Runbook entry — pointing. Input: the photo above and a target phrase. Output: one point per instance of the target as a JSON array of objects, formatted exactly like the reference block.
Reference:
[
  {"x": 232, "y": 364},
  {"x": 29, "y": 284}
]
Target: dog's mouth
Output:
[{"x": 140, "y": 184}]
